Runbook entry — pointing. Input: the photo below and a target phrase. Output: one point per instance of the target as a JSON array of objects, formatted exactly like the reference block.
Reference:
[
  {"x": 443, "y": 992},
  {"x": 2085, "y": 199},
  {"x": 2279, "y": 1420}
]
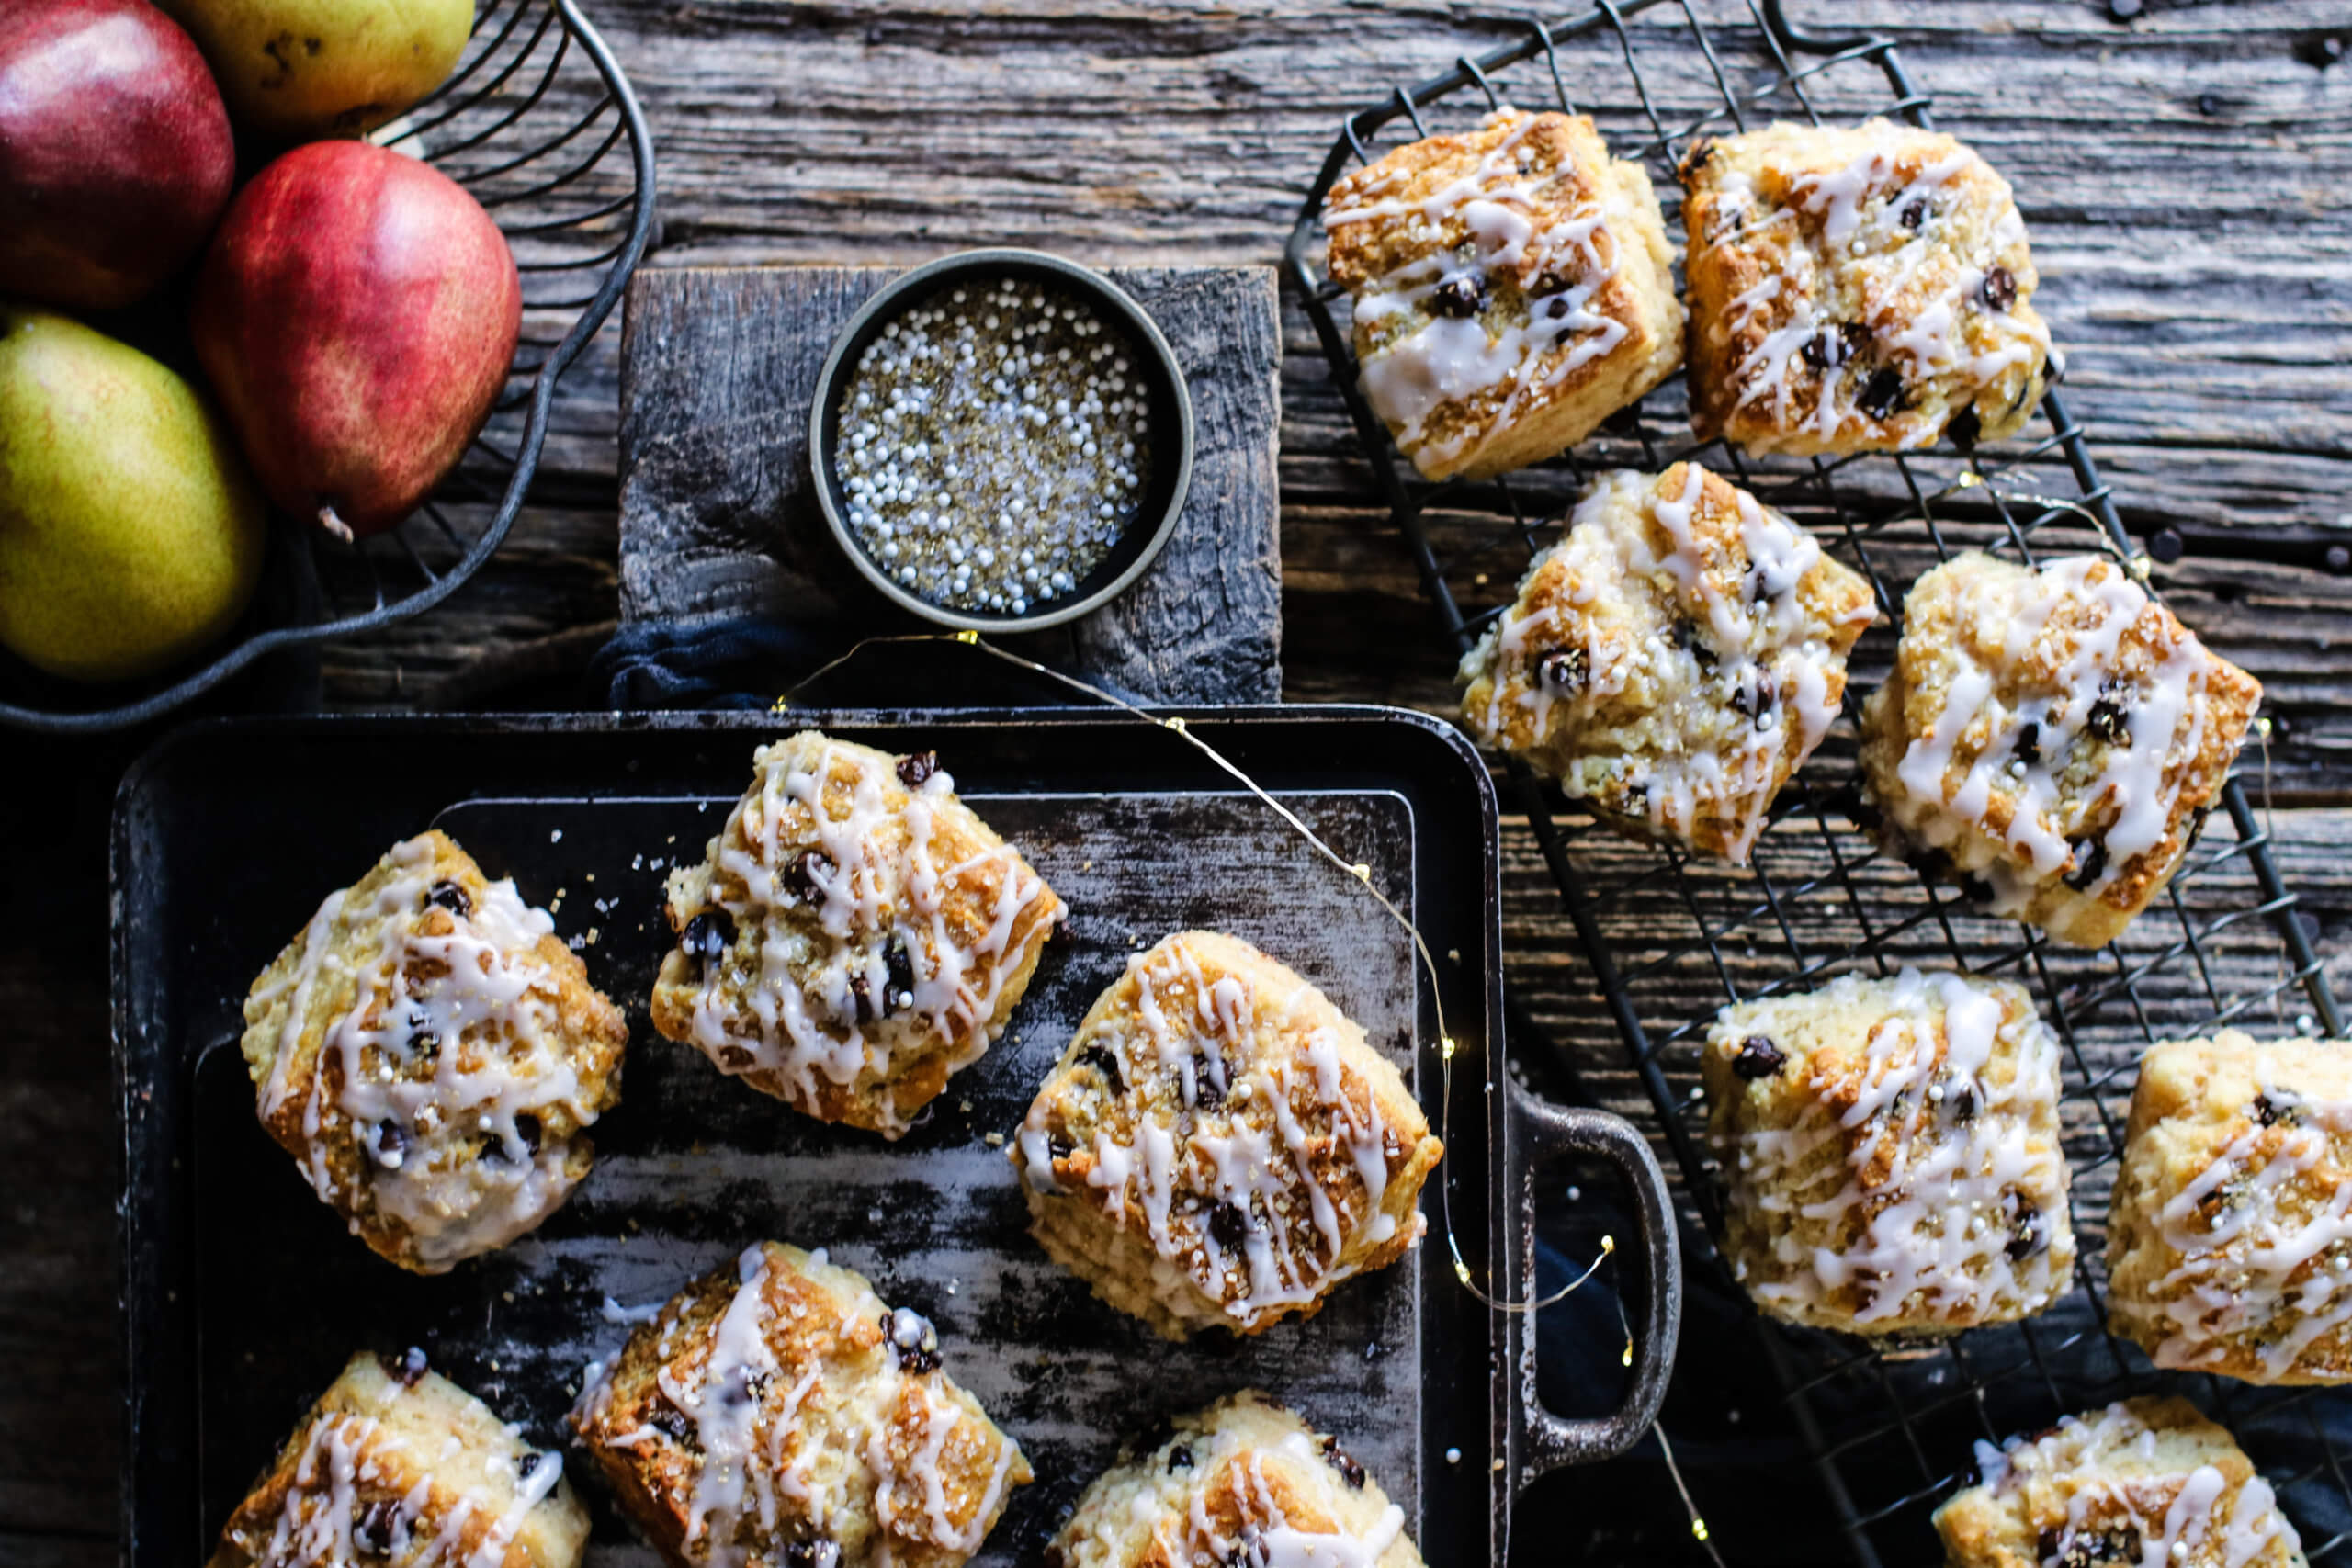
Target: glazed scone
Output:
[
  {"x": 430, "y": 1052},
  {"x": 2147, "y": 1480},
  {"x": 1219, "y": 1146},
  {"x": 1673, "y": 659},
  {"x": 1890, "y": 1154},
  {"x": 1242, "y": 1483},
  {"x": 1513, "y": 287},
  {"x": 855, "y": 936},
  {"x": 2054, "y": 734},
  {"x": 2229, "y": 1245},
  {"x": 1855, "y": 290},
  {"x": 777, "y": 1415},
  {"x": 396, "y": 1464}
]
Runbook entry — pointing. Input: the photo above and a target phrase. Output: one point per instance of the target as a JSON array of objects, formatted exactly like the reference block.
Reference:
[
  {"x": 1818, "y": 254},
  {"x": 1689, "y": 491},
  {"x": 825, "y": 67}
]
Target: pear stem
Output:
[{"x": 333, "y": 523}]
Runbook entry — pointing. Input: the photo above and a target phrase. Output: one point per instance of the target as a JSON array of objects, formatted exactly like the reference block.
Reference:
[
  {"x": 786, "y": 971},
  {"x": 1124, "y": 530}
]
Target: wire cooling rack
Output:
[
  {"x": 1669, "y": 939},
  {"x": 538, "y": 123}
]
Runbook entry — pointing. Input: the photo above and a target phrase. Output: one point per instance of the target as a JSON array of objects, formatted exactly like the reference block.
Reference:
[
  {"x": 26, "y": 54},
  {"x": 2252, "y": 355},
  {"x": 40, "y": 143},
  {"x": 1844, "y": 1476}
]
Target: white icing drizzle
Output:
[
  {"x": 2054, "y": 823},
  {"x": 327, "y": 1519},
  {"x": 743, "y": 1430},
  {"x": 453, "y": 1047},
  {"x": 1236, "y": 1188},
  {"x": 2265, "y": 1259},
  {"x": 1496, "y": 207},
  {"x": 2173, "y": 1521},
  {"x": 1921, "y": 303},
  {"x": 1944, "y": 1178},
  {"x": 1759, "y": 654},
  {"x": 1268, "y": 1535},
  {"x": 835, "y": 1011}
]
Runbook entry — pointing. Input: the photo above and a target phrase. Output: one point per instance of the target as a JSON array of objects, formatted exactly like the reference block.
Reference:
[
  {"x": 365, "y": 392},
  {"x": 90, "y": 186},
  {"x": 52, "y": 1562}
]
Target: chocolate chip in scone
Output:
[
  {"x": 1963, "y": 428},
  {"x": 709, "y": 937},
  {"x": 1342, "y": 1461},
  {"x": 526, "y": 1128},
  {"x": 1058, "y": 1146},
  {"x": 1758, "y": 1058},
  {"x": 897, "y": 976},
  {"x": 1228, "y": 1226},
  {"x": 2091, "y": 859},
  {"x": 388, "y": 1141},
  {"x": 448, "y": 894},
  {"x": 2027, "y": 748},
  {"x": 673, "y": 1423},
  {"x": 917, "y": 766},
  {"x": 1548, "y": 283},
  {"x": 1914, "y": 213},
  {"x": 424, "y": 1040},
  {"x": 1685, "y": 634},
  {"x": 1561, "y": 670},
  {"x": 372, "y": 1527},
  {"x": 1179, "y": 1458},
  {"x": 912, "y": 1336},
  {"x": 1250, "y": 1549},
  {"x": 811, "y": 1554},
  {"x": 1961, "y": 1105},
  {"x": 2273, "y": 1110},
  {"x": 1462, "y": 295},
  {"x": 799, "y": 878},
  {"x": 1834, "y": 345},
  {"x": 2000, "y": 289},
  {"x": 1208, "y": 1091},
  {"x": 2110, "y": 719},
  {"x": 2029, "y": 1233},
  {"x": 1101, "y": 1058},
  {"x": 1883, "y": 393},
  {"x": 860, "y": 999}
]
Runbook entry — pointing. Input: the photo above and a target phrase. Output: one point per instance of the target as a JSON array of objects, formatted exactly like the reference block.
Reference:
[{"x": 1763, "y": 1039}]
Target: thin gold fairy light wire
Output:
[{"x": 1176, "y": 725}]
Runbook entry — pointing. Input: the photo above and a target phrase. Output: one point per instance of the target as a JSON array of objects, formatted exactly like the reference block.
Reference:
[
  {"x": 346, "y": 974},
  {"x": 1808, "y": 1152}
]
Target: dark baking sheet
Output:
[{"x": 244, "y": 1295}]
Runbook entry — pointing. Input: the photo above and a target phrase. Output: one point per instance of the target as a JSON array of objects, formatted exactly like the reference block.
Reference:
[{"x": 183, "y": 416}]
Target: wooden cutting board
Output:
[{"x": 718, "y": 511}]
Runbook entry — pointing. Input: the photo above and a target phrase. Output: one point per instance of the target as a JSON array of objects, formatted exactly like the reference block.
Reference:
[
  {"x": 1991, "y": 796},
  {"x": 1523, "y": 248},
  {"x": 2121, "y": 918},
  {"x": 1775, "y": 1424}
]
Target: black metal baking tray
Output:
[{"x": 243, "y": 1295}]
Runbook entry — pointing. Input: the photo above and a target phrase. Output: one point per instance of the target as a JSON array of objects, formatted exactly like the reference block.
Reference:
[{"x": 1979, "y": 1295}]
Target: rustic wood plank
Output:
[{"x": 718, "y": 508}]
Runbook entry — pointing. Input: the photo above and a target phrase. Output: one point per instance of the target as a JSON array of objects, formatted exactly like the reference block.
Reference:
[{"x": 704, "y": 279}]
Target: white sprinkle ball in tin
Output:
[{"x": 993, "y": 446}]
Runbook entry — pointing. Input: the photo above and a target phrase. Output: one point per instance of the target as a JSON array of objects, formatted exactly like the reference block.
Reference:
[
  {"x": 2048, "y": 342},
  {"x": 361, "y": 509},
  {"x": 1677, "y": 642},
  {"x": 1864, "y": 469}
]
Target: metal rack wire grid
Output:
[
  {"x": 1669, "y": 939},
  {"x": 539, "y": 124}
]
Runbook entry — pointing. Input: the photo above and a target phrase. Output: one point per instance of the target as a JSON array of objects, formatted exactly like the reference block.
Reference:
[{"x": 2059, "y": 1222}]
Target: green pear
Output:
[
  {"x": 129, "y": 534},
  {"x": 299, "y": 69}
]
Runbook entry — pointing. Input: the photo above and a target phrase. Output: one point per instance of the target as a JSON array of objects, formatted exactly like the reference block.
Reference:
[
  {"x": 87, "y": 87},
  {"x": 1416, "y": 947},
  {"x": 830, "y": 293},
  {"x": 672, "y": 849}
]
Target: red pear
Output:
[
  {"x": 356, "y": 314},
  {"x": 115, "y": 154}
]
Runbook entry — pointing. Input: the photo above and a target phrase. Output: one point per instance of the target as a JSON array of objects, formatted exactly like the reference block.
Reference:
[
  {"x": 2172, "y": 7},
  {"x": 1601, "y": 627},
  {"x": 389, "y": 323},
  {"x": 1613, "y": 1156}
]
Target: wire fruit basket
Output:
[
  {"x": 538, "y": 123},
  {"x": 1669, "y": 939}
]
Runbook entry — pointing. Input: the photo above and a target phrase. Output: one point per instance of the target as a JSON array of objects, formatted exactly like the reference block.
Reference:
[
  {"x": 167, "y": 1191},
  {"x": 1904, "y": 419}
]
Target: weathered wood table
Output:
[{"x": 2186, "y": 169}]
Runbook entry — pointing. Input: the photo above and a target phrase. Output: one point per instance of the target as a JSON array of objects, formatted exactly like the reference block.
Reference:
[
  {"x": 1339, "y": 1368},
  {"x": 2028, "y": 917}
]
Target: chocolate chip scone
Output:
[
  {"x": 1244, "y": 1481},
  {"x": 1219, "y": 1146},
  {"x": 430, "y": 1052},
  {"x": 1512, "y": 287},
  {"x": 855, "y": 936},
  {"x": 1673, "y": 660},
  {"x": 2052, "y": 735},
  {"x": 1890, "y": 1154},
  {"x": 395, "y": 1464},
  {"x": 2148, "y": 1481},
  {"x": 2229, "y": 1243},
  {"x": 1855, "y": 290},
  {"x": 777, "y": 1415}
]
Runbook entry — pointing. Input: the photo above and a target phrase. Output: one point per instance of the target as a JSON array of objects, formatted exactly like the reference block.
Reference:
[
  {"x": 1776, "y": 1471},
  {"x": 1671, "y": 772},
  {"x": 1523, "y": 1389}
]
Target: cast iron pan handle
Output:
[{"x": 1548, "y": 1131}]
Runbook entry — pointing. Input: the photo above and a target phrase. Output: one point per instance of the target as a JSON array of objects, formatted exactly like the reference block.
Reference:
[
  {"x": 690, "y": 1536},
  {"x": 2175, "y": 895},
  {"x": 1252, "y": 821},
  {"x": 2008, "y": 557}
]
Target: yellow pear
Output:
[
  {"x": 129, "y": 534},
  {"x": 299, "y": 69}
]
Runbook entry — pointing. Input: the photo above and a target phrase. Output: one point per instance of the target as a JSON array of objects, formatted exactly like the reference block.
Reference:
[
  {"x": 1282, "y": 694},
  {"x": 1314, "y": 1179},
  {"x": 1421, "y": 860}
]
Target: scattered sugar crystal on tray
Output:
[{"x": 994, "y": 444}]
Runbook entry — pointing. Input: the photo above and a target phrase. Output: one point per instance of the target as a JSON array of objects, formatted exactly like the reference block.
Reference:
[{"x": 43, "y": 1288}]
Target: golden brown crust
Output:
[
  {"x": 1214, "y": 1125},
  {"x": 397, "y": 1464},
  {"x": 419, "y": 1002},
  {"x": 1890, "y": 1154},
  {"x": 862, "y": 939},
  {"x": 1673, "y": 660},
  {"x": 778, "y": 1408},
  {"x": 2228, "y": 1250},
  {"x": 1242, "y": 1470},
  {"x": 1512, "y": 289},
  {"x": 2147, "y": 1480},
  {"x": 1855, "y": 290},
  {"x": 2055, "y": 733}
]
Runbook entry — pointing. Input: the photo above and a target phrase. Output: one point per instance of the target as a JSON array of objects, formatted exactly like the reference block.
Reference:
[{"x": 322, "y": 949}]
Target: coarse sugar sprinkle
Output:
[{"x": 994, "y": 444}]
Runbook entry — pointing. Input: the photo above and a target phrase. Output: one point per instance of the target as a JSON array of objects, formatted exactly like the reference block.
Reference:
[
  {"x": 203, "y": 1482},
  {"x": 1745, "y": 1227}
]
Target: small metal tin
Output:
[{"x": 1171, "y": 432}]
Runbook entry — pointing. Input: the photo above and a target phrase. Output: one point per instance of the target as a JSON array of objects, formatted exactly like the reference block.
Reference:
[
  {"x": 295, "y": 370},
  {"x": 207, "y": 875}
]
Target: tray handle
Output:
[{"x": 1546, "y": 1132}]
